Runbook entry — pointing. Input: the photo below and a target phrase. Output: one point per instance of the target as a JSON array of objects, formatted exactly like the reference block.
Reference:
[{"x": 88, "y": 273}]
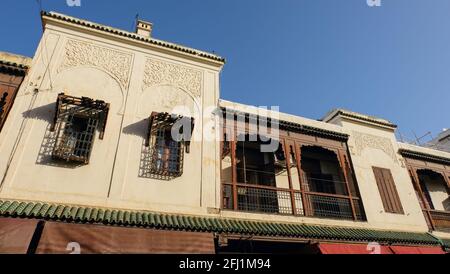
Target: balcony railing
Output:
[
  {"x": 271, "y": 200},
  {"x": 441, "y": 219},
  {"x": 324, "y": 186}
]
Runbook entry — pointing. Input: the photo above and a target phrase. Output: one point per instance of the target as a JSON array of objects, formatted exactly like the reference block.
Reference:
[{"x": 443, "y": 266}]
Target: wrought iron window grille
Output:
[
  {"x": 75, "y": 124},
  {"x": 168, "y": 137}
]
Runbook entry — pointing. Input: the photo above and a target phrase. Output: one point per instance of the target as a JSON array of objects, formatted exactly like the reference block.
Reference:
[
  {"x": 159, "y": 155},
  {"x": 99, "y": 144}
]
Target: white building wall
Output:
[
  {"x": 373, "y": 146},
  {"x": 136, "y": 81}
]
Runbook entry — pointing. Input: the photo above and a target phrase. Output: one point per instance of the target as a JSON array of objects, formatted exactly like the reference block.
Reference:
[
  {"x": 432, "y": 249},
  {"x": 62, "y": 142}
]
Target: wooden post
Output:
[
  {"x": 297, "y": 149},
  {"x": 416, "y": 182},
  {"x": 343, "y": 164},
  {"x": 286, "y": 149},
  {"x": 233, "y": 164}
]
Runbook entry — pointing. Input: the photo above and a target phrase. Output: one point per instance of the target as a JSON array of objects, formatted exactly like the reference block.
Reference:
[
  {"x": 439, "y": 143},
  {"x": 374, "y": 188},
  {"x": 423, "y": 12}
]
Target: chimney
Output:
[{"x": 144, "y": 28}]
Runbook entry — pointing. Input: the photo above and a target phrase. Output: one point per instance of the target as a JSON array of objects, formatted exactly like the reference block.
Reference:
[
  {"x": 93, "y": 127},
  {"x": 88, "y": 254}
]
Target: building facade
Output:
[
  {"x": 12, "y": 72},
  {"x": 442, "y": 142},
  {"x": 90, "y": 163}
]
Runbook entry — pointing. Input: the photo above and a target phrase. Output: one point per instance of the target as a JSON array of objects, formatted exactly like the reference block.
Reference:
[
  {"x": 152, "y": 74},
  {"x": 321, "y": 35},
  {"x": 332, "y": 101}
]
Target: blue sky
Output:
[{"x": 306, "y": 56}]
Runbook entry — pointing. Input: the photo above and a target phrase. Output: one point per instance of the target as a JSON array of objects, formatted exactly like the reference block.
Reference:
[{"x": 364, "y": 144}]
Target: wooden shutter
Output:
[{"x": 388, "y": 191}]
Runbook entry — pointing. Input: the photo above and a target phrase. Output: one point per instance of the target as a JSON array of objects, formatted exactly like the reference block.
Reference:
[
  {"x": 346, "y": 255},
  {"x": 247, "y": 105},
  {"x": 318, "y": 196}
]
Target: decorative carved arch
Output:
[
  {"x": 364, "y": 140},
  {"x": 322, "y": 148},
  {"x": 81, "y": 53},
  {"x": 159, "y": 72},
  {"x": 197, "y": 103},
  {"x": 331, "y": 152},
  {"x": 122, "y": 91}
]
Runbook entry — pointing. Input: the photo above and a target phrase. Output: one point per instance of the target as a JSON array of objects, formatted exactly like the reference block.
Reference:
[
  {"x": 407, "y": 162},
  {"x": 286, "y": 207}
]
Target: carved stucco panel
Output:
[
  {"x": 79, "y": 53},
  {"x": 158, "y": 72},
  {"x": 364, "y": 140}
]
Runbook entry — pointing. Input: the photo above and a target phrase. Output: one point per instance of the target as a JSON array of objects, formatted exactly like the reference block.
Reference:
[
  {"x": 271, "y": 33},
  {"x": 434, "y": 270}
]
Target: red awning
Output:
[
  {"x": 63, "y": 238},
  {"x": 335, "y": 248},
  {"x": 16, "y": 235},
  {"x": 327, "y": 248},
  {"x": 417, "y": 250}
]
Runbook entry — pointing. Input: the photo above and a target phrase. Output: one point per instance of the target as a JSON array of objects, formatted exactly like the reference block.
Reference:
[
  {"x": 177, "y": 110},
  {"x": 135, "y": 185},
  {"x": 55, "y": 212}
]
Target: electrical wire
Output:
[{"x": 30, "y": 106}]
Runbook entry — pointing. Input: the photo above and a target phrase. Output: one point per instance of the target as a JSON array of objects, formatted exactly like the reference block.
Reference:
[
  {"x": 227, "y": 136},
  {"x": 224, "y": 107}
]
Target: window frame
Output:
[
  {"x": 68, "y": 108},
  {"x": 292, "y": 142},
  {"x": 388, "y": 191},
  {"x": 164, "y": 122}
]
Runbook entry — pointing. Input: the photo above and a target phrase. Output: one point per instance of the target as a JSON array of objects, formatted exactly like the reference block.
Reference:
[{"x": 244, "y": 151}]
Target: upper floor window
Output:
[
  {"x": 294, "y": 178},
  {"x": 169, "y": 136},
  {"x": 76, "y": 121},
  {"x": 388, "y": 191}
]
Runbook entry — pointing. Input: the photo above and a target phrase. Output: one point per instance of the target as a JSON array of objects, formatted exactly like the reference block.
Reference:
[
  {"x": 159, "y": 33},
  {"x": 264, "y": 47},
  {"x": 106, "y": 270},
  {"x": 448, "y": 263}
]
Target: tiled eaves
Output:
[
  {"x": 423, "y": 156},
  {"x": 293, "y": 127},
  {"x": 446, "y": 243},
  {"x": 134, "y": 36},
  {"x": 144, "y": 219},
  {"x": 13, "y": 68},
  {"x": 357, "y": 116}
]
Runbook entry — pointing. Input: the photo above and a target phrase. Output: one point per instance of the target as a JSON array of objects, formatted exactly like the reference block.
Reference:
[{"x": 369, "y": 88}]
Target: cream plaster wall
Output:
[
  {"x": 369, "y": 146},
  {"x": 136, "y": 80},
  {"x": 372, "y": 146}
]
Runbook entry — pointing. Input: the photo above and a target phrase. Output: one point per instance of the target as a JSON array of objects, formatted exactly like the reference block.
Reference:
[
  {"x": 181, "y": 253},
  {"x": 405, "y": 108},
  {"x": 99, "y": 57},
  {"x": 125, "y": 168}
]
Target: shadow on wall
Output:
[
  {"x": 46, "y": 150},
  {"x": 140, "y": 129},
  {"x": 42, "y": 113},
  {"x": 46, "y": 113}
]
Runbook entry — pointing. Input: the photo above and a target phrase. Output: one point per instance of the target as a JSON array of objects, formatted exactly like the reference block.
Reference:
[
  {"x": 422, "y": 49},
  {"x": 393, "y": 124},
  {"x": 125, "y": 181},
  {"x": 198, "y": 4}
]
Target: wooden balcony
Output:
[
  {"x": 272, "y": 200},
  {"x": 441, "y": 219}
]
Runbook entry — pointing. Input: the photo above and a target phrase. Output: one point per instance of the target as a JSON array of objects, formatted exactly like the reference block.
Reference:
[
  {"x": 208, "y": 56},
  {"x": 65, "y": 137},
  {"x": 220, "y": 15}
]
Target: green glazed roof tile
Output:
[
  {"x": 114, "y": 217},
  {"x": 59, "y": 211},
  {"x": 134, "y": 218},
  {"x": 21, "y": 208},
  {"x": 198, "y": 223},
  {"x": 87, "y": 214},
  {"x": 4, "y": 207},
  {"x": 35, "y": 211},
  {"x": 43, "y": 210},
  {"x": 120, "y": 217},
  {"x": 51, "y": 211},
  {"x": 181, "y": 221},
  {"x": 201, "y": 223},
  {"x": 158, "y": 221},
  {"x": 446, "y": 242},
  {"x": 225, "y": 225},
  {"x": 165, "y": 221},
  {"x": 209, "y": 224},
  {"x": 107, "y": 217},
  {"x": 152, "y": 220},
  {"x": 12, "y": 208},
  {"x": 66, "y": 212},
  {"x": 94, "y": 215},
  {"x": 124, "y": 217},
  {"x": 78, "y": 214},
  {"x": 254, "y": 227}
]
